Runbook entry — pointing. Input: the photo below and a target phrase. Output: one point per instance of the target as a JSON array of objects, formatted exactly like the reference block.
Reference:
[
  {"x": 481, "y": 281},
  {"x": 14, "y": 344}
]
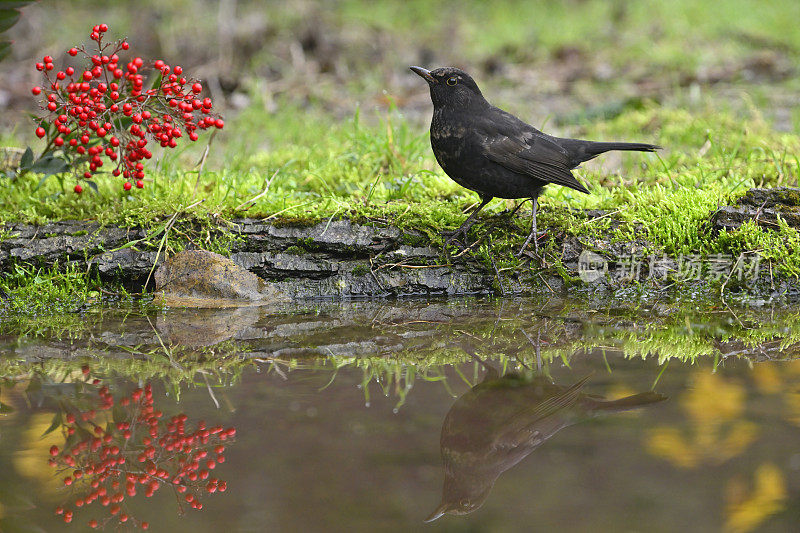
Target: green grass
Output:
[
  {"x": 32, "y": 292},
  {"x": 381, "y": 170}
]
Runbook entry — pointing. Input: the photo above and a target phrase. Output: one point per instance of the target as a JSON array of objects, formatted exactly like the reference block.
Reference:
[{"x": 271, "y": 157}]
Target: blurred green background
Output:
[{"x": 544, "y": 59}]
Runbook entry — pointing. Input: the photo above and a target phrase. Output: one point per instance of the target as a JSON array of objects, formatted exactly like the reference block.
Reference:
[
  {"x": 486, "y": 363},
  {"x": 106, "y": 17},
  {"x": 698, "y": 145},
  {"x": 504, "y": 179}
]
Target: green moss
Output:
[
  {"x": 294, "y": 250},
  {"x": 414, "y": 239},
  {"x": 360, "y": 270}
]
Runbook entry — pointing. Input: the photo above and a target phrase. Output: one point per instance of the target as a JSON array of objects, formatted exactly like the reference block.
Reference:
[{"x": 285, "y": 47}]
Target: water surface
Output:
[{"x": 500, "y": 415}]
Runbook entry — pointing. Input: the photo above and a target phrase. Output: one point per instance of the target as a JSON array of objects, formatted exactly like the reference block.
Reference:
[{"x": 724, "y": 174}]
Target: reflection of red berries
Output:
[{"x": 168, "y": 454}]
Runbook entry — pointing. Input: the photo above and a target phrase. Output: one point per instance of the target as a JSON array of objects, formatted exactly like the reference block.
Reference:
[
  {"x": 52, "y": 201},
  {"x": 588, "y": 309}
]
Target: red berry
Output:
[
  {"x": 40, "y": 132},
  {"x": 58, "y": 141},
  {"x": 36, "y": 90},
  {"x": 103, "y": 27},
  {"x": 139, "y": 184},
  {"x": 127, "y": 186},
  {"x": 73, "y": 52},
  {"x": 219, "y": 123}
]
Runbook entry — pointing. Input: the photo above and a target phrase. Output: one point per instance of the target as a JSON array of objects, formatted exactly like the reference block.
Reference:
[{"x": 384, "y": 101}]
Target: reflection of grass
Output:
[{"x": 428, "y": 348}]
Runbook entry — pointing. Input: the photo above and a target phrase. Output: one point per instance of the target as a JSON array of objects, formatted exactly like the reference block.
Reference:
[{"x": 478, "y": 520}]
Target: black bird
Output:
[
  {"x": 495, "y": 154},
  {"x": 500, "y": 421}
]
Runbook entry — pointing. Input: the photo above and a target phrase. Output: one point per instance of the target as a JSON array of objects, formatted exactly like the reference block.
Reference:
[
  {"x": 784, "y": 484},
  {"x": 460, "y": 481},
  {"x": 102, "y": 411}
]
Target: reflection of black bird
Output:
[
  {"x": 494, "y": 153},
  {"x": 500, "y": 421}
]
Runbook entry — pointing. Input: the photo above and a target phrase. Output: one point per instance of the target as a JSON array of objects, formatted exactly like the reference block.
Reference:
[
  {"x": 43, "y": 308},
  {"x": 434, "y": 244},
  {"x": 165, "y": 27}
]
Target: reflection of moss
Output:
[{"x": 673, "y": 332}]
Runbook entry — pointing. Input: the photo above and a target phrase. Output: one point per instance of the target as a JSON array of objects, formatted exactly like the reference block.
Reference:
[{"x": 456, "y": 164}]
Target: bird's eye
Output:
[{"x": 452, "y": 81}]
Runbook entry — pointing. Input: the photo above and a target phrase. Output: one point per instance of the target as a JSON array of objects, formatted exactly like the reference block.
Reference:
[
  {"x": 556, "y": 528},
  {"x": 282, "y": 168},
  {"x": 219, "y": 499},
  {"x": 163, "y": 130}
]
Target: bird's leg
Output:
[
  {"x": 533, "y": 235},
  {"x": 513, "y": 211},
  {"x": 464, "y": 228}
]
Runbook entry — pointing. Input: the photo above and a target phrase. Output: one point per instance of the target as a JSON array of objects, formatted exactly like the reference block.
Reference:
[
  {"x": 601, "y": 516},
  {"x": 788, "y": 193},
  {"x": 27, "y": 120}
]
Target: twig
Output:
[
  {"x": 164, "y": 238},
  {"x": 374, "y": 276},
  {"x": 252, "y": 201},
  {"x": 210, "y": 392},
  {"x": 496, "y": 272},
  {"x": 545, "y": 282},
  {"x": 273, "y": 215},
  {"x": 202, "y": 163}
]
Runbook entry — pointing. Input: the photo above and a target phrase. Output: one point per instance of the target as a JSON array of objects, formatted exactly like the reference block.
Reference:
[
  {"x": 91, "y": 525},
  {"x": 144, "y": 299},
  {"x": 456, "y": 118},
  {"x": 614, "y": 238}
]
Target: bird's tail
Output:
[
  {"x": 629, "y": 402},
  {"x": 580, "y": 150},
  {"x": 597, "y": 148}
]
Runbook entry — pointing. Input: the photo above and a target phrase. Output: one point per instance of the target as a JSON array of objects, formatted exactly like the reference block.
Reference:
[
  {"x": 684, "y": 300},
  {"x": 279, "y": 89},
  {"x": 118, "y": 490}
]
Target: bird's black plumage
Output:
[{"x": 495, "y": 154}]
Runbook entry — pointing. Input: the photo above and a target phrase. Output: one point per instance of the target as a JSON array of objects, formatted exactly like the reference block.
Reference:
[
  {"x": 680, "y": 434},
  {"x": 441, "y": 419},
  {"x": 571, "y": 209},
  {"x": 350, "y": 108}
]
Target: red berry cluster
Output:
[
  {"x": 104, "y": 109},
  {"x": 143, "y": 453}
]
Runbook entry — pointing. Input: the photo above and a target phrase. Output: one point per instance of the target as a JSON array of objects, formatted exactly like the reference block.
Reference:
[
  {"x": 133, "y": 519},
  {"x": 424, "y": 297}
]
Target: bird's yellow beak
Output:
[{"x": 424, "y": 73}]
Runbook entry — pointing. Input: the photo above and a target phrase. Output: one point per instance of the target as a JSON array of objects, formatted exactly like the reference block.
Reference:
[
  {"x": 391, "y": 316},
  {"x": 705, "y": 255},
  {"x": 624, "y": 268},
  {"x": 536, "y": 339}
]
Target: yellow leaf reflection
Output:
[
  {"x": 767, "y": 378},
  {"x": 781, "y": 378},
  {"x": 713, "y": 407},
  {"x": 31, "y": 459},
  {"x": 745, "y": 513}
]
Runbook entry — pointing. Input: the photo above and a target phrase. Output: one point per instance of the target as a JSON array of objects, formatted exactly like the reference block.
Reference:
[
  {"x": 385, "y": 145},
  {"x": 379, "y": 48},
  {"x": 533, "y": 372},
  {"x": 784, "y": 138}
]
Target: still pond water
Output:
[{"x": 472, "y": 415}]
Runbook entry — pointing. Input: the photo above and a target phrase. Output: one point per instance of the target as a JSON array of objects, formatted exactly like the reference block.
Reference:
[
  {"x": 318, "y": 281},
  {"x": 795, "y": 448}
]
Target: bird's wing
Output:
[
  {"x": 525, "y": 150},
  {"x": 522, "y": 424}
]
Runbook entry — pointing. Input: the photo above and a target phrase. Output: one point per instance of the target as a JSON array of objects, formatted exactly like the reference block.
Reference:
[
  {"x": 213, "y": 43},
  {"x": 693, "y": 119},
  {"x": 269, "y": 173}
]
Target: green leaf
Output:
[
  {"x": 92, "y": 185},
  {"x": 5, "y": 49},
  {"x": 49, "y": 164},
  {"x": 41, "y": 182},
  {"x": 14, "y": 4},
  {"x": 55, "y": 424},
  {"x": 5, "y": 408},
  {"x": 8, "y": 17},
  {"x": 27, "y": 159}
]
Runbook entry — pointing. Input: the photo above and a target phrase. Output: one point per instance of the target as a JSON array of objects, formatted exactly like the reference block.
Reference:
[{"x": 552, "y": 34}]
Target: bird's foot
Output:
[
  {"x": 453, "y": 236},
  {"x": 532, "y": 238}
]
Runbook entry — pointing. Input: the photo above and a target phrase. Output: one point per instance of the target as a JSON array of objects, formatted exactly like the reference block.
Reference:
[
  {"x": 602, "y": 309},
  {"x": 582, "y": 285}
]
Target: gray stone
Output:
[{"x": 198, "y": 278}]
